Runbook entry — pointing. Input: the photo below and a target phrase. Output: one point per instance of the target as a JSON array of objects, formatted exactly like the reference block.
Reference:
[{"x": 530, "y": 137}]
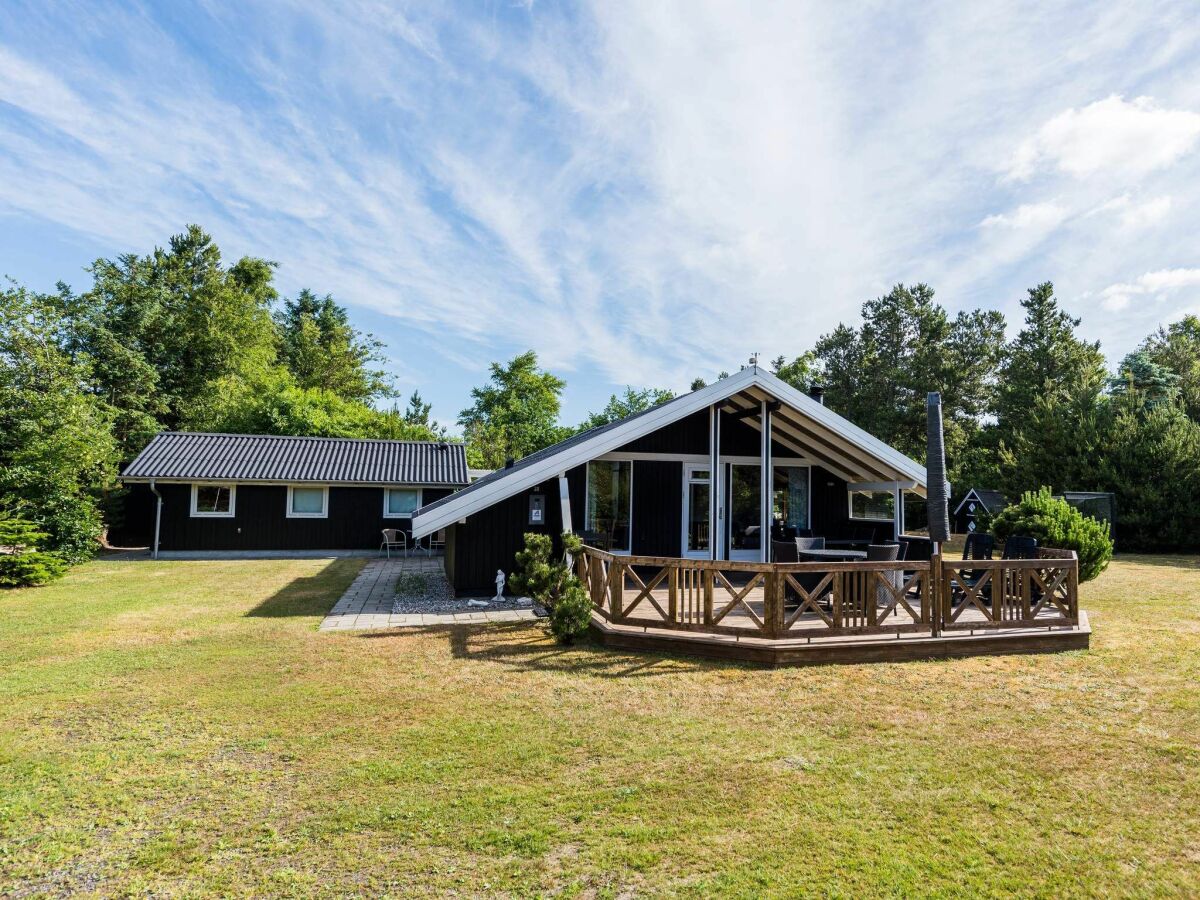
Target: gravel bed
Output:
[{"x": 430, "y": 592}]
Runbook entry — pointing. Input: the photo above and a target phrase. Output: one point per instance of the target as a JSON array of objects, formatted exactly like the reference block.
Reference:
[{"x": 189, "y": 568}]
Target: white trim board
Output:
[{"x": 521, "y": 478}]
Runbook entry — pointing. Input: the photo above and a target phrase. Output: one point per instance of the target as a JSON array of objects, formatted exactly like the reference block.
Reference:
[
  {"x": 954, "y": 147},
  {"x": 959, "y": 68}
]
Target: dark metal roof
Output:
[
  {"x": 532, "y": 458},
  {"x": 993, "y": 501},
  {"x": 189, "y": 455}
]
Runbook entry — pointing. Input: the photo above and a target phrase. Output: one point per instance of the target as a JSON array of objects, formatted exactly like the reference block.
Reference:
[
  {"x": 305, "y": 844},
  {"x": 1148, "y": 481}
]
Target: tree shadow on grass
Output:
[
  {"x": 312, "y": 595},
  {"x": 528, "y": 649}
]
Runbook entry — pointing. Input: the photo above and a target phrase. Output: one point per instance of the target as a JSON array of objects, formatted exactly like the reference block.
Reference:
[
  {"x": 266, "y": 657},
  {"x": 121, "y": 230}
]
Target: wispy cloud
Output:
[
  {"x": 641, "y": 193},
  {"x": 1154, "y": 285},
  {"x": 1132, "y": 138}
]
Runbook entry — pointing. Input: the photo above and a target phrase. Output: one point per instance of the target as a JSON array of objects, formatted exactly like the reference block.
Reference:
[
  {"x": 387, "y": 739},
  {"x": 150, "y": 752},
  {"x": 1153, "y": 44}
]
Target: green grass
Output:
[
  {"x": 412, "y": 583},
  {"x": 182, "y": 728}
]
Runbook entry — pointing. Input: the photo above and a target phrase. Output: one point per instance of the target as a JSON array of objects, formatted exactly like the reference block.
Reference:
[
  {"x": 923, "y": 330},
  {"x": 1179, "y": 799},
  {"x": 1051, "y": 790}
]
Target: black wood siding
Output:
[
  {"x": 689, "y": 436},
  {"x": 657, "y": 508},
  {"x": 831, "y": 509},
  {"x": 490, "y": 539},
  {"x": 355, "y": 521}
]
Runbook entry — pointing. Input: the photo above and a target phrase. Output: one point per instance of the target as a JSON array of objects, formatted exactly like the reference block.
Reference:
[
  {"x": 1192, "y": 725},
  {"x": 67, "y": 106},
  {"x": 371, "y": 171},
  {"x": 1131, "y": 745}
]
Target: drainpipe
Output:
[{"x": 157, "y": 518}]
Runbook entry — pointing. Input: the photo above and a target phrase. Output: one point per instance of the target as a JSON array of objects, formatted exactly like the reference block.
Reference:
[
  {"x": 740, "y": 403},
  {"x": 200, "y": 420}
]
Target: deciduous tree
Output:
[
  {"x": 627, "y": 404},
  {"x": 515, "y": 414}
]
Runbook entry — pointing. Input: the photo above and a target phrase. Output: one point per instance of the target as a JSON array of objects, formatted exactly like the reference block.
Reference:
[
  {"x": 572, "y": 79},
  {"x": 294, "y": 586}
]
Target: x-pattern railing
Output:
[{"x": 806, "y": 600}]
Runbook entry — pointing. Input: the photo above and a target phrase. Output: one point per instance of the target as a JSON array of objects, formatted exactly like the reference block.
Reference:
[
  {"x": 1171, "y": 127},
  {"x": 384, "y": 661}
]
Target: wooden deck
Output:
[{"x": 796, "y": 613}]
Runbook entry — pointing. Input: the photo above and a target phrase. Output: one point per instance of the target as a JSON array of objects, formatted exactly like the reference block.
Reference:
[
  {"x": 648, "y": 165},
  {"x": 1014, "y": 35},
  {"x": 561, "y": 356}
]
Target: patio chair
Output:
[
  {"x": 1020, "y": 547},
  {"x": 436, "y": 541},
  {"x": 884, "y": 553},
  {"x": 784, "y": 552},
  {"x": 394, "y": 537},
  {"x": 978, "y": 546},
  {"x": 810, "y": 543}
]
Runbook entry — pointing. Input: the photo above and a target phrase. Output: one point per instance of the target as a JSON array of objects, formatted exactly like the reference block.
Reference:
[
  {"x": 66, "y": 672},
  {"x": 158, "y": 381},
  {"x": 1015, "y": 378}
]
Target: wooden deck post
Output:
[
  {"x": 673, "y": 594},
  {"x": 937, "y": 591},
  {"x": 708, "y": 596},
  {"x": 616, "y": 589},
  {"x": 1073, "y": 588}
]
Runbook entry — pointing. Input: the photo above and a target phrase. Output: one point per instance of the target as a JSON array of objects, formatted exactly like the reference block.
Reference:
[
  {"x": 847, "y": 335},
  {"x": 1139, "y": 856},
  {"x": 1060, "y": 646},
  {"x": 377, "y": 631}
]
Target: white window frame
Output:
[
  {"x": 587, "y": 493},
  {"x": 323, "y": 514},
  {"x": 851, "y": 491},
  {"x": 402, "y": 487},
  {"x": 203, "y": 514}
]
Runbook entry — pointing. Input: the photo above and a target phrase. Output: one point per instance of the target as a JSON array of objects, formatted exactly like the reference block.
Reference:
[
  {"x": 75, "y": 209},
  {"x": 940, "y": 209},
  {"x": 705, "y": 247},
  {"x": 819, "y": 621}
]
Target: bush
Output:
[
  {"x": 571, "y": 613},
  {"x": 1055, "y": 523},
  {"x": 553, "y": 585},
  {"x": 22, "y": 564}
]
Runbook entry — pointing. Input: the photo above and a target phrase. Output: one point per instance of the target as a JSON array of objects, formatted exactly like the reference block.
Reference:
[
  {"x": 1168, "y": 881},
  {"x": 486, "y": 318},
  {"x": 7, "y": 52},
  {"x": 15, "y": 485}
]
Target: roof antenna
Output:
[{"x": 754, "y": 360}]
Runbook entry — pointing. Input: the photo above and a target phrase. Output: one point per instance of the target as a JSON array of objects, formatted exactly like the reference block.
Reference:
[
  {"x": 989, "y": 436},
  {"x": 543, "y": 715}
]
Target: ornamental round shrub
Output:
[{"x": 1056, "y": 523}]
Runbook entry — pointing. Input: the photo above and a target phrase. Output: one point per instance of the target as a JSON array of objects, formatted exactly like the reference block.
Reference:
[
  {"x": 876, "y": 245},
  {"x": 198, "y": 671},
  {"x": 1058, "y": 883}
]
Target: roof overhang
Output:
[
  {"x": 146, "y": 479},
  {"x": 799, "y": 422}
]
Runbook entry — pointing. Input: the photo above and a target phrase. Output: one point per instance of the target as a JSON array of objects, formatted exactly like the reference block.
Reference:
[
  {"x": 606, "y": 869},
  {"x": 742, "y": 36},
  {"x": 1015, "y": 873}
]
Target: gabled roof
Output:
[
  {"x": 801, "y": 423},
  {"x": 991, "y": 501},
  {"x": 201, "y": 456}
]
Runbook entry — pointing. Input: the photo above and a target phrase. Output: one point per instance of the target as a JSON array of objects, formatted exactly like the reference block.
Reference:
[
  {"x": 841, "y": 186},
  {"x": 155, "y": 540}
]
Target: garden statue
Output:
[{"x": 499, "y": 585}]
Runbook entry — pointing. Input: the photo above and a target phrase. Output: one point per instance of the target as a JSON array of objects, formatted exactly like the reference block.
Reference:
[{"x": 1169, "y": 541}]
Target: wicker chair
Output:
[{"x": 810, "y": 543}]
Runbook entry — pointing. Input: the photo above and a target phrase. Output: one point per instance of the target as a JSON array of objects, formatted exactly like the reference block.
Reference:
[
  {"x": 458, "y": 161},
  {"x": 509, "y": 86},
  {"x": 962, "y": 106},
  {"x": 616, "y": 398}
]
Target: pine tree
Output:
[
  {"x": 1177, "y": 349},
  {"x": 1049, "y": 395},
  {"x": 22, "y": 564}
]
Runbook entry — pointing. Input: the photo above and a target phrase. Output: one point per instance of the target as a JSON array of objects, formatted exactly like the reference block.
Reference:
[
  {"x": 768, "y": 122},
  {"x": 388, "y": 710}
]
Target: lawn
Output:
[{"x": 182, "y": 728}]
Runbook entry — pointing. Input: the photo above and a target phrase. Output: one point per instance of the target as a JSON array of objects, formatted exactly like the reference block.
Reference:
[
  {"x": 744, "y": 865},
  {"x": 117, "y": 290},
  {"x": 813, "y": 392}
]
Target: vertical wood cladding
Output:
[
  {"x": 490, "y": 539},
  {"x": 355, "y": 521},
  {"x": 689, "y": 436},
  {"x": 657, "y": 508}
]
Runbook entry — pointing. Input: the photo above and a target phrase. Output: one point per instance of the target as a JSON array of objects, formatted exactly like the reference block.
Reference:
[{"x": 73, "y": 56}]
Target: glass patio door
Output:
[
  {"x": 696, "y": 498},
  {"x": 745, "y": 512}
]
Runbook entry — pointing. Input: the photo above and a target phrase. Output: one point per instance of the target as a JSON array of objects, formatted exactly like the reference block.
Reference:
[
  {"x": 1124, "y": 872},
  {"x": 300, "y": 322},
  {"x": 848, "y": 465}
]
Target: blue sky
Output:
[{"x": 641, "y": 192}]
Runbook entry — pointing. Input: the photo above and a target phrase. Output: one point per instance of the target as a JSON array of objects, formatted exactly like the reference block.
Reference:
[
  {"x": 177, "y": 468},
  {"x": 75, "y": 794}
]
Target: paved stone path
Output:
[{"x": 367, "y": 603}]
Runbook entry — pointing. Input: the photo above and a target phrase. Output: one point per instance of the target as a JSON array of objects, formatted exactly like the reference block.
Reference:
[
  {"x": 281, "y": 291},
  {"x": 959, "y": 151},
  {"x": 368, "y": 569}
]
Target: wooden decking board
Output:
[{"x": 838, "y": 650}]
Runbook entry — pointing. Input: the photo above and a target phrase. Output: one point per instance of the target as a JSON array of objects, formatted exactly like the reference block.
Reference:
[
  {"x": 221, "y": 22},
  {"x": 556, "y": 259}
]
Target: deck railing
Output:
[{"x": 785, "y": 601}]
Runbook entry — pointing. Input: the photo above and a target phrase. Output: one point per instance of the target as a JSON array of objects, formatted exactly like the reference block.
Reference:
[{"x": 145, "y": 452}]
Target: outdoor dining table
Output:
[
  {"x": 846, "y": 543},
  {"x": 831, "y": 555}
]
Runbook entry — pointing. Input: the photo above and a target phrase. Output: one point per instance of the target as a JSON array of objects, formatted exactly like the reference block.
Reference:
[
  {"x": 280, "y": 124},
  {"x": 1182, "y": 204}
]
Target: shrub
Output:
[
  {"x": 22, "y": 564},
  {"x": 1055, "y": 523},
  {"x": 571, "y": 613},
  {"x": 553, "y": 585}
]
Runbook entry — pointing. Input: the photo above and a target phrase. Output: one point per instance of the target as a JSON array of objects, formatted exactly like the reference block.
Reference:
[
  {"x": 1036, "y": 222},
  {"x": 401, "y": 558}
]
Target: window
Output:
[
  {"x": 214, "y": 500},
  {"x": 307, "y": 502},
  {"x": 609, "y": 498},
  {"x": 790, "y": 497},
  {"x": 872, "y": 505},
  {"x": 401, "y": 503}
]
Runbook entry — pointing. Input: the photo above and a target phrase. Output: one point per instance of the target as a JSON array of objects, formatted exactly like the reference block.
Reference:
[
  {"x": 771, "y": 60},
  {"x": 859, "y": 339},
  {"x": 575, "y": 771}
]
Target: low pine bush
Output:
[
  {"x": 552, "y": 584},
  {"x": 1056, "y": 523},
  {"x": 22, "y": 564}
]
